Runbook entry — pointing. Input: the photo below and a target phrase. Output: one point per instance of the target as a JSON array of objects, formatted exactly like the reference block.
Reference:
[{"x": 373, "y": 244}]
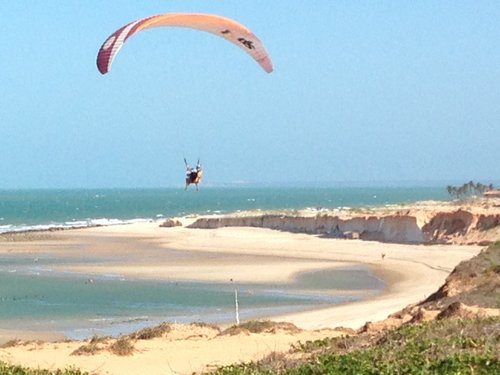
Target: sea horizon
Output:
[{"x": 43, "y": 209}]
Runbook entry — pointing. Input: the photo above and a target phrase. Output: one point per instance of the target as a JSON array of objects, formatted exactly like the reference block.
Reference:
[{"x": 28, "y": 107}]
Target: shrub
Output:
[
  {"x": 151, "y": 332},
  {"x": 92, "y": 347},
  {"x": 259, "y": 326},
  {"x": 122, "y": 347},
  {"x": 215, "y": 327}
]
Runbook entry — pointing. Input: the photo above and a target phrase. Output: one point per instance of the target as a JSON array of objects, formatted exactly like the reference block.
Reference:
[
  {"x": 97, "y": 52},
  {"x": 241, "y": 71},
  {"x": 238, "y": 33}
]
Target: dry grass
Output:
[
  {"x": 215, "y": 327},
  {"x": 11, "y": 343},
  {"x": 151, "y": 332},
  {"x": 94, "y": 346},
  {"x": 87, "y": 349},
  {"x": 122, "y": 347},
  {"x": 260, "y": 326}
]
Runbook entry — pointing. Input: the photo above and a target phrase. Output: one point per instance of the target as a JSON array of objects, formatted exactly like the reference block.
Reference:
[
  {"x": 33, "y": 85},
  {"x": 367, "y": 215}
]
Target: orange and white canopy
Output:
[{"x": 224, "y": 27}]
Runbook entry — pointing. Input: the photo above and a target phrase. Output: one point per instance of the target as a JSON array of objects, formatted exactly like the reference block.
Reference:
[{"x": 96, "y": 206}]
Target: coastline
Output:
[
  {"x": 245, "y": 254},
  {"x": 256, "y": 256}
]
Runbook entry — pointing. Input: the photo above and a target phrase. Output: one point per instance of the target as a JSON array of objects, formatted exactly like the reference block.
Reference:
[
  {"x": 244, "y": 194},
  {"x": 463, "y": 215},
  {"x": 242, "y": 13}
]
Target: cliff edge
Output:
[{"x": 472, "y": 222}]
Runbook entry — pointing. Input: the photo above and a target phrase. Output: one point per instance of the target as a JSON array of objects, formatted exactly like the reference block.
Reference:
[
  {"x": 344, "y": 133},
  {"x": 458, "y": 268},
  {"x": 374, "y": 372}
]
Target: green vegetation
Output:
[
  {"x": 6, "y": 369},
  {"x": 450, "y": 346},
  {"x": 494, "y": 261},
  {"x": 495, "y": 245},
  {"x": 447, "y": 346}
]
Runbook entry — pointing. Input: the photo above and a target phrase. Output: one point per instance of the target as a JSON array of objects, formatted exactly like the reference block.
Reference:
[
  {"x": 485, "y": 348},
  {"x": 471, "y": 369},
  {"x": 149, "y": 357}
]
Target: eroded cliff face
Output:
[
  {"x": 463, "y": 227},
  {"x": 459, "y": 226}
]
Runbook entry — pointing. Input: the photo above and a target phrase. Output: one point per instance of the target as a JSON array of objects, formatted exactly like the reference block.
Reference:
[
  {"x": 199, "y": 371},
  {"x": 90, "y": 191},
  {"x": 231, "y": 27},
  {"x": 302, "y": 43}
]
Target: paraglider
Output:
[
  {"x": 193, "y": 175},
  {"x": 226, "y": 28}
]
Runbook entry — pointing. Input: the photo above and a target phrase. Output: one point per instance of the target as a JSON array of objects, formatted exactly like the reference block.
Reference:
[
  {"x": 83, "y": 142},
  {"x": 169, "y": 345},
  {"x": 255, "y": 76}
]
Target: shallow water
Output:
[{"x": 35, "y": 297}]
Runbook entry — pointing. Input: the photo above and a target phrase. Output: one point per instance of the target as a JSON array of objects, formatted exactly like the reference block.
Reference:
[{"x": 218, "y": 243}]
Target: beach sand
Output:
[{"x": 243, "y": 254}]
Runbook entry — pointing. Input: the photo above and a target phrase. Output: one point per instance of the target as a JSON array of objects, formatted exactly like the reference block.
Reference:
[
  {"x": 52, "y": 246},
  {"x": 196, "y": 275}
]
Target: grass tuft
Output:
[
  {"x": 122, "y": 347},
  {"x": 11, "y": 343},
  {"x": 260, "y": 326},
  {"x": 215, "y": 327},
  {"x": 93, "y": 347},
  {"x": 151, "y": 332}
]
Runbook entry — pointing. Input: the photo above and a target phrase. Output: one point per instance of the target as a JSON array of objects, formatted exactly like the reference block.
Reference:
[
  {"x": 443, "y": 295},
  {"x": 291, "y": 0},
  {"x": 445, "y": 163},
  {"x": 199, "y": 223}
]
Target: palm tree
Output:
[
  {"x": 470, "y": 186},
  {"x": 462, "y": 190}
]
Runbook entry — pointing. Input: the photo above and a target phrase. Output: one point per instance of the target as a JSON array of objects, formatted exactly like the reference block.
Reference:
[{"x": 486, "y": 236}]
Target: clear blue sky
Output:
[{"x": 363, "y": 91}]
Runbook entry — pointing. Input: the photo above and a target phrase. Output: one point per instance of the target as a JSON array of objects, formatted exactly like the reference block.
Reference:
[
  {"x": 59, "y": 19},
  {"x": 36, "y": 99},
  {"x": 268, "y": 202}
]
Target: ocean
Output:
[
  {"x": 33, "y": 296},
  {"x": 22, "y": 210}
]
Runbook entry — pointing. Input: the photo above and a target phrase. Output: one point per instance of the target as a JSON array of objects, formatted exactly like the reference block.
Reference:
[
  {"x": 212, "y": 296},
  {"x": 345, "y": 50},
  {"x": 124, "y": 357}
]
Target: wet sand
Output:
[{"x": 251, "y": 255}]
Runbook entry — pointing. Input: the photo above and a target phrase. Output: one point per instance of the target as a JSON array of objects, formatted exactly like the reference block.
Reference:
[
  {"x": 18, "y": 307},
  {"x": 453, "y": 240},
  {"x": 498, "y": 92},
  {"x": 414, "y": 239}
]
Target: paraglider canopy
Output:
[{"x": 226, "y": 28}]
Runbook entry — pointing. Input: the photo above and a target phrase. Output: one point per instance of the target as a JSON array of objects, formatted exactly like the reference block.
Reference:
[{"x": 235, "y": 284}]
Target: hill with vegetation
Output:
[{"x": 454, "y": 331}]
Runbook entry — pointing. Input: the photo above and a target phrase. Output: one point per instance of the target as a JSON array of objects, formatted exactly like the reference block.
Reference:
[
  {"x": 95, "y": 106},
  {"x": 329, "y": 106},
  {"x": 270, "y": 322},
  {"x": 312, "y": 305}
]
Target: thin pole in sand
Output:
[{"x": 236, "y": 307}]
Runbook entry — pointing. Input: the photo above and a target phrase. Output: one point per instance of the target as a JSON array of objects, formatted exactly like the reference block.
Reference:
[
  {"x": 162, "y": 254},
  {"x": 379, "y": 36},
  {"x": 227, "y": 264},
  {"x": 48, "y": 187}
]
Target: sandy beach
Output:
[{"x": 243, "y": 254}]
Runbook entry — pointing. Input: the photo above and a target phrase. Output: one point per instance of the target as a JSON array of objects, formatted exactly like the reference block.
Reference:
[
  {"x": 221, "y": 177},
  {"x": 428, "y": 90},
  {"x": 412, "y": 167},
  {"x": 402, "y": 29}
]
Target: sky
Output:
[{"x": 383, "y": 92}]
